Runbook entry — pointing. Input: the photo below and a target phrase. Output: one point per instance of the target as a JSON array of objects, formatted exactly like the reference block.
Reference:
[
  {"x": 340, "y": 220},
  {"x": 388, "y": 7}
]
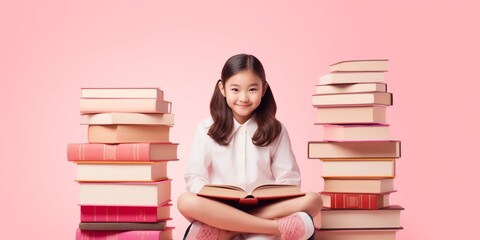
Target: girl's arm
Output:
[
  {"x": 196, "y": 174},
  {"x": 284, "y": 165}
]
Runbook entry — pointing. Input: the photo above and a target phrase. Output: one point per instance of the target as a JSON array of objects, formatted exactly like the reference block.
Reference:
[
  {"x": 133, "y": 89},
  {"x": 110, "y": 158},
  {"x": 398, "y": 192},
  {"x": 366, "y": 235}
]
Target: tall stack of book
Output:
[
  {"x": 357, "y": 153},
  {"x": 125, "y": 191}
]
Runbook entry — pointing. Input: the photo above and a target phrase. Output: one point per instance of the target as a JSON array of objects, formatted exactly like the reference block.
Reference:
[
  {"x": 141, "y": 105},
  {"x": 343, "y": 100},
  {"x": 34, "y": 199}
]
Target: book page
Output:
[
  {"x": 222, "y": 191},
  {"x": 270, "y": 191}
]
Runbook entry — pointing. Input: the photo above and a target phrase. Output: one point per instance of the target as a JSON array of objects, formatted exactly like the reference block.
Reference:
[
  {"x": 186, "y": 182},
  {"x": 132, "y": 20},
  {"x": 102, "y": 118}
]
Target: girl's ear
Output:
[
  {"x": 265, "y": 88},
  {"x": 221, "y": 87}
]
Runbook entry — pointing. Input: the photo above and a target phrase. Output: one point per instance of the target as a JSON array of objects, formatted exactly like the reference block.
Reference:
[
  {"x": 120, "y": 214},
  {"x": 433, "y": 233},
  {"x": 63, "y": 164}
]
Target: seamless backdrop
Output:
[{"x": 50, "y": 49}]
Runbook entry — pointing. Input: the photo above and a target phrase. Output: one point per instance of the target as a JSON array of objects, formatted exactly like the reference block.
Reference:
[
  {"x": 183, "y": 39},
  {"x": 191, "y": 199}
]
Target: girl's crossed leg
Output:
[{"x": 234, "y": 221}]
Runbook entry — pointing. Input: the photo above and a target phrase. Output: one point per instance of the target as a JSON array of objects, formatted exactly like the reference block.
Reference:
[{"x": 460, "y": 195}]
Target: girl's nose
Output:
[{"x": 243, "y": 97}]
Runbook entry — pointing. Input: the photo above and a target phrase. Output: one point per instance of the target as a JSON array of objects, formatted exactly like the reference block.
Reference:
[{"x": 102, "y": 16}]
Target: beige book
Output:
[
  {"x": 125, "y": 193},
  {"x": 359, "y": 185},
  {"x": 388, "y": 217},
  {"x": 351, "y": 115},
  {"x": 126, "y": 171},
  {"x": 131, "y": 105},
  {"x": 121, "y": 93},
  {"x": 350, "y": 88},
  {"x": 128, "y": 133},
  {"x": 359, "y": 149},
  {"x": 373, "y": 65},
  {"x": 353, "y": 99},
  {"x": 382, "y": 168},
  {"x": 341, "y": 133},
  {"x": 358, "y": 234},
  {"x": 127, "y": 118},
  {"x": 351, "y": 77}
]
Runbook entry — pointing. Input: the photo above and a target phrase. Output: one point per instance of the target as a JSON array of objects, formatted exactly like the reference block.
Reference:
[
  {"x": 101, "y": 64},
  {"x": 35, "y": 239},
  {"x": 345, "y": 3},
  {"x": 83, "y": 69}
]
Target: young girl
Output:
[{"x": 243, "y": 144}]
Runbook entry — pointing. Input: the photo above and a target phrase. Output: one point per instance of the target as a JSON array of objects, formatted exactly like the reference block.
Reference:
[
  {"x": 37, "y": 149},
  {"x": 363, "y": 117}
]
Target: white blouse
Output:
[{"x": 240, "y": 163}]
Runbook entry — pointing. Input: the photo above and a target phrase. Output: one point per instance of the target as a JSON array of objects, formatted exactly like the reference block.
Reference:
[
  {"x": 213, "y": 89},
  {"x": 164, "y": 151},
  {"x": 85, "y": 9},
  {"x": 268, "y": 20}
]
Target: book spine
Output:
[
  {"x": 108, "y": 152},
  {"x": 117, "y": 235},
  {"x": 354, "y": 201},
  {"x": 117, "y": 214}
]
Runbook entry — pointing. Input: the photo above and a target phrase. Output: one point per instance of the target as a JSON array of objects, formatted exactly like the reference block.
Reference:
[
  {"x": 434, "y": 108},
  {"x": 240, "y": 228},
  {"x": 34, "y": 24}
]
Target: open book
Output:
[{"x": 263, "y": 192}]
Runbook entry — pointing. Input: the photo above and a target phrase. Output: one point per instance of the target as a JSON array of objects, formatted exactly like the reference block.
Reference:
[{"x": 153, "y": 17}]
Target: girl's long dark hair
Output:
[{"x": 268, "y": 126}]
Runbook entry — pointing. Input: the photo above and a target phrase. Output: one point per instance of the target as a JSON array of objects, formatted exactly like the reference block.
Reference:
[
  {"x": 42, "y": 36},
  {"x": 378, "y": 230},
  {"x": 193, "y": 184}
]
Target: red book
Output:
[
  {"x": 121, "y": 152},
  {"x": 125, "y": 235},
  {"x": 124, "y": 213},
  {"x": 355, "y": 200}
]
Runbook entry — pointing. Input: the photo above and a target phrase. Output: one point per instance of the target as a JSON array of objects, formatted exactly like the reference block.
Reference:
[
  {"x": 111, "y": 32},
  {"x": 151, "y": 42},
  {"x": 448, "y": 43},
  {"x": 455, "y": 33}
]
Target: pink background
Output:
[{"x": 50, "y": 49}]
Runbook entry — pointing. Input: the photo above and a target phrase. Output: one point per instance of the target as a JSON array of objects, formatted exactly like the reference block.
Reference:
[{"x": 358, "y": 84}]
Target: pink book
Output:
[
  {"x": 124, "y": 235},
  {"x": 125, "y": 193},
  {"x": 121, "y": 152},
  {"x": 124, "y": 213}
]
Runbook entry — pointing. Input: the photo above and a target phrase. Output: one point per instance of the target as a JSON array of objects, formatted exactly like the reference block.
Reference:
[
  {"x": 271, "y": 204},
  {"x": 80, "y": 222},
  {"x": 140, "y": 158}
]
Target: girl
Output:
[{"x": 243, "y": 144}]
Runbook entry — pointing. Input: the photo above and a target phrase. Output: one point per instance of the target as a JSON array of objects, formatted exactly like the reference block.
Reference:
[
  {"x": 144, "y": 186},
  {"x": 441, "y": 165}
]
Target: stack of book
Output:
[
  {"x": 357, "y": 153},
  {"x": 125, "y": 191}
]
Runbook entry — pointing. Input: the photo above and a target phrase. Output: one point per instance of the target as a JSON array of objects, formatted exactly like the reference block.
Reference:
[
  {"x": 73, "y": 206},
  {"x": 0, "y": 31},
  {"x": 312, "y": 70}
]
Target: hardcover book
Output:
[
  {"x": 374, "y": 186},
  {"x": 121, "y": 93},
  {"x": 126, "y": 105},
  {"x": 125, "y": 213},
  {"x": 121, "y": 172},
  {"x": 356, "y": 234},
  {"x": 127, "y": 118},
  {"x": 122, "y": 226},
  {"x": 369, "y": 65},
  {"x": 165, "y": 234},
  {"x": 350, "y": 88},
  {"x": 337, "y": 200},
  {"x": 353, "y": 132},
  {"x": 122, "y": 152},
  {"x": 352, "y": 99},
  {"x": 125, "y": 193},
  {"x": 261, "y": 193},
  {"x": 128, "y": 133},
  {"x": 388, "y": 217},
  {"x": 351, "y": 77},
  {"x": 360, "y": 149},
  {"x": 358, "y": 168},
  {"x": 351, "y": 115}
]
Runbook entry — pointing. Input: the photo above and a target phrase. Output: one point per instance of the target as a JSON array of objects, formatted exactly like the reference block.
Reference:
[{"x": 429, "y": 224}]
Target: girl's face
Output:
[{"x": 243, "y": 92}]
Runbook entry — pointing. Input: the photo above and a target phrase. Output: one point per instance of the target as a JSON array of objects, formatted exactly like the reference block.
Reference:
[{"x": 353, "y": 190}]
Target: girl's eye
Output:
[
  {"x": 252, "y": 89},
  {"x": 234, "y": 89}
]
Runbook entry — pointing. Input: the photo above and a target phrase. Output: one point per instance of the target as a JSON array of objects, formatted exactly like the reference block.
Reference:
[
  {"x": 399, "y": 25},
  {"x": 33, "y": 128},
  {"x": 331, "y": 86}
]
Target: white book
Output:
[{"x": 114, "y": 172}]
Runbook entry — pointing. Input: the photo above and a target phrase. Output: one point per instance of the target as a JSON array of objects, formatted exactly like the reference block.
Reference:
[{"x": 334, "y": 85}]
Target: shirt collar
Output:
[{"x": 250, "y": 125}]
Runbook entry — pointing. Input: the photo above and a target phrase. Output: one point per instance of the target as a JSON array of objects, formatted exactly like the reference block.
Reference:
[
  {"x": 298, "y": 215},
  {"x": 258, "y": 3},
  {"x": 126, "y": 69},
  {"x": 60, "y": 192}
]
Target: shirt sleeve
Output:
[
  {"x": 196, "y": 174},
  {"x": 284, "y": 165}
]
